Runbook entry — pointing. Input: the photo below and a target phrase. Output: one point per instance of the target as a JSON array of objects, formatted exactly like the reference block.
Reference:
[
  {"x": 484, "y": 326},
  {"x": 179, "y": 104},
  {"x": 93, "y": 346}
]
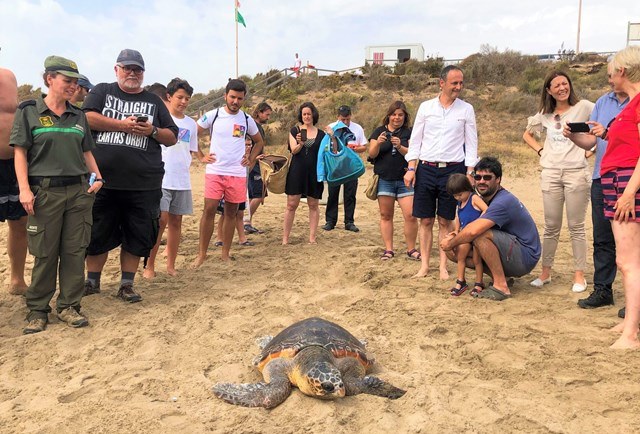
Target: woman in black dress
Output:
[{"x": 302, "y": 179}]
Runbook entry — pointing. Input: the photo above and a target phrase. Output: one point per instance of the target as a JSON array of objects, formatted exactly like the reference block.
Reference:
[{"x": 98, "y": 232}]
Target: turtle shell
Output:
[{"x": 314, "y": 332}]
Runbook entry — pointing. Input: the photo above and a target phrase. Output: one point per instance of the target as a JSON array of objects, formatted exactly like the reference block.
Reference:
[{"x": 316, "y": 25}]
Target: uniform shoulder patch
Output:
[{"x": 27, "y": 103}]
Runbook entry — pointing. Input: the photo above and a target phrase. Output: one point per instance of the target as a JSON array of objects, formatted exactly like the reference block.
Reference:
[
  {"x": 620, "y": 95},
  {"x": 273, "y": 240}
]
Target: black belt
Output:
[
  {"x": 439, "y": 164},
  {"x": 56, "y": 181}
]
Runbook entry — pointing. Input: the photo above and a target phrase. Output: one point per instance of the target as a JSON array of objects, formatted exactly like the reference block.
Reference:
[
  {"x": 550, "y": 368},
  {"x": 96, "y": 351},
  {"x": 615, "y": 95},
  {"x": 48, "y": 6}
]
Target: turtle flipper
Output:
[
  {"x": 372, "y": 386},
  {"x": 267, "y": 395}
]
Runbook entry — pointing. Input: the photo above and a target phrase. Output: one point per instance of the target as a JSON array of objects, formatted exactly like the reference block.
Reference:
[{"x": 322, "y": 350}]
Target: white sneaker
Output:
[
  {"x": 579, "y": 287},
  {"x": 539, "y": 283}
]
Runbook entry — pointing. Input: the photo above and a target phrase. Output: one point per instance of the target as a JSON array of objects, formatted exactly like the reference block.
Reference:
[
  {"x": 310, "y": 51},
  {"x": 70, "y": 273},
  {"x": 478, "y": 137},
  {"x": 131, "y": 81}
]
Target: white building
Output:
[{"x": 392, "y": 54}]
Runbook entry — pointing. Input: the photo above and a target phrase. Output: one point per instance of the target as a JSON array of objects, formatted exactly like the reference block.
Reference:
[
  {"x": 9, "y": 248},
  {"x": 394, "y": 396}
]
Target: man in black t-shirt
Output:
[{"x": 128, "y": 125}]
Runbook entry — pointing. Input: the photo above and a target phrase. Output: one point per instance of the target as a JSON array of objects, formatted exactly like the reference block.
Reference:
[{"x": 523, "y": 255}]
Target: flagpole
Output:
[{"x": 235, "y": 18}]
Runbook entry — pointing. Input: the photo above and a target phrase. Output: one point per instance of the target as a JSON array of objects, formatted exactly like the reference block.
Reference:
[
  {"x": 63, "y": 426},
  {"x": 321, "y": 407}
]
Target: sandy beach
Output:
[{"x": 535, "y": 363}]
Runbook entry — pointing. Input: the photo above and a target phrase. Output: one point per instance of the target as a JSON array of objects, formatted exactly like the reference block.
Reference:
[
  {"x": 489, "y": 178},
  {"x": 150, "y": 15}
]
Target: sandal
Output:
[
  {"x": 218, "y": 244},
  {"x": 414, "y": 255},
  {"x": 474, "y": 291},
  {"x": 247, "y": 243},
  {"x": 459, "y": 291},
  {"x": 388, "y": 254}
]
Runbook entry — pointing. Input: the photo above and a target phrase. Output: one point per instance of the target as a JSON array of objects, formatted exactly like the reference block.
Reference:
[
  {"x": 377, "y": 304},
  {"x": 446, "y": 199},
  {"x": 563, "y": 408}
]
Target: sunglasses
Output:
[
  {"x": 136, "y": 70},
  {"x": 558, "y": 124},
  {"x": 483, "y": 177}
]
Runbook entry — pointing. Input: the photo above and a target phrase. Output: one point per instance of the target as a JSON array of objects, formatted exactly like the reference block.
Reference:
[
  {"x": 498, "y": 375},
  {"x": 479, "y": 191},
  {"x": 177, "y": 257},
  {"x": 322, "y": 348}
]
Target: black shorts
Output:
[
  {"x": 430, "y": 191},
  {"x": 254, "y": 183},
  {"x": 125, "y": 217},
  {"x": 10, "y": 206},
  {"x": 220, "y": 210}
]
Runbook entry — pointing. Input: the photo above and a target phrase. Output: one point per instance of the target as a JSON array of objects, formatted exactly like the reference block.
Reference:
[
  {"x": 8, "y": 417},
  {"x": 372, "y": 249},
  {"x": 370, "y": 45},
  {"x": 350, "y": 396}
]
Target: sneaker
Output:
[
  {"x": 249, "y": 230},
  {"x": 328, "y": 226},
  {"x": 90, "y": 288},
  {"x": 126, "y": 293},
  {"x": 621, "y": 312},
  {"x": 35, "y": 326},
  {"x": 351, "y": 227},
  {"x": 73, "y": 318},
  {"x": 597, "y": 298}
]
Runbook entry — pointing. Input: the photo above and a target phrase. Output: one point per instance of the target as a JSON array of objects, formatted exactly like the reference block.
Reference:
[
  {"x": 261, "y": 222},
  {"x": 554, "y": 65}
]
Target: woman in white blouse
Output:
[{"x": 565, "y": 177}]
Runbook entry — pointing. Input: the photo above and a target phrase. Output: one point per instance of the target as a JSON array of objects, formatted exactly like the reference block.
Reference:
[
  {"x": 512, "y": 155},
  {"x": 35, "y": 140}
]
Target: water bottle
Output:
[{"x": 92, "y": 178}]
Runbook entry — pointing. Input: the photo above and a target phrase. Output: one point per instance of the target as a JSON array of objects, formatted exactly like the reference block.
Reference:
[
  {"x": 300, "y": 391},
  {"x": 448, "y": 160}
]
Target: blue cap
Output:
[{"x": 83, "y": 81}]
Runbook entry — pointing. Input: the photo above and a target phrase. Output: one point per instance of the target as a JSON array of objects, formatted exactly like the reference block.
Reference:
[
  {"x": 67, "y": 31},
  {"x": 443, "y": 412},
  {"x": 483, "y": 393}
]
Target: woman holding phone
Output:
[
  {"x": 302, "y": 178},
  {"x": 565, "y": 176},
  {"x": 53, "y": 160},
  {"x": 388, "y": 145}
]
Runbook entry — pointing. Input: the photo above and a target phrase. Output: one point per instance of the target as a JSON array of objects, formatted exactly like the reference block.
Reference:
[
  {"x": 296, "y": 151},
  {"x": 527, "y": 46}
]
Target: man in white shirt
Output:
[
  {"x": 350, "y": 188},
  {"x": 226, "y": 177},
  {"x": 444, "y": 141}
]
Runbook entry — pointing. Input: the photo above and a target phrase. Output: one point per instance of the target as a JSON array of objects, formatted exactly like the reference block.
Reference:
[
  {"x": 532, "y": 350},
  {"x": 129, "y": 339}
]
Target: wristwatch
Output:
[{"x": 154, "y": 132}]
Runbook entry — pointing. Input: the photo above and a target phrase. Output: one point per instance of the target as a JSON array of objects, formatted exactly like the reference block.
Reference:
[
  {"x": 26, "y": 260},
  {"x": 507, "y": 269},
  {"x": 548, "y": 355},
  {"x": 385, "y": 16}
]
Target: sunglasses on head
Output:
[{"x": 483, "y": 177}]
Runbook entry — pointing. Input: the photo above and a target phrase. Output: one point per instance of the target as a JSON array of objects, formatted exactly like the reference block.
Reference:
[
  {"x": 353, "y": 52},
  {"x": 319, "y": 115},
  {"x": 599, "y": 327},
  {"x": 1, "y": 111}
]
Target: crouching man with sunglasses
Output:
[{"x": 505, "y": 236}]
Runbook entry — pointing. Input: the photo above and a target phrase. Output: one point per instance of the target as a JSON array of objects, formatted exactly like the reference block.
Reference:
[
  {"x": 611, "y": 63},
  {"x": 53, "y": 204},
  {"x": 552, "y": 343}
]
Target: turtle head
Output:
[{"x": 322, "y": 380}]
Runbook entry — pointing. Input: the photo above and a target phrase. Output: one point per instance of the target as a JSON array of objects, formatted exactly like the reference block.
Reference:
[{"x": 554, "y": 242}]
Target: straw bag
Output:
[
  {"x": 372, "y": 188},
  {"x": 274, "y": 169}
]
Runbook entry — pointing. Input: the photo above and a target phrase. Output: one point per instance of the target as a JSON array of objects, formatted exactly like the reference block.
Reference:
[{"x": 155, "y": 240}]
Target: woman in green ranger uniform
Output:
[{"x": 53, "y": 160}]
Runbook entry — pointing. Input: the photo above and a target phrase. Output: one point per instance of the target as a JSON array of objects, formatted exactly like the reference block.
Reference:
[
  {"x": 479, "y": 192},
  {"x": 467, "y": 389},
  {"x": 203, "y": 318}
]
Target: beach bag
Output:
[
  {"x": 274, "y": 169},
  {"x": 372, "y": 188},
  {"x": 343, "y": 166}
]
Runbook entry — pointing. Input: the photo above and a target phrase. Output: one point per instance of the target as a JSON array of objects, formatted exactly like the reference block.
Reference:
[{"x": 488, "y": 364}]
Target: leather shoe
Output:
[
  {"x": 597, "y": 298},
  {"x": 351, "y": 227},
  {"x": 622, "y": 312},
  {"x": 328, "y": 226}
]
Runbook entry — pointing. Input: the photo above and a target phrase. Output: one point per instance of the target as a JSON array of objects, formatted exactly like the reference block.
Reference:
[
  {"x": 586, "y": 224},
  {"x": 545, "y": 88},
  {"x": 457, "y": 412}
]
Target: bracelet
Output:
[
  {"x": 539, "y": 151},
  {"x": 100, "y": 180},
  {"x": 411, "y": 169}
]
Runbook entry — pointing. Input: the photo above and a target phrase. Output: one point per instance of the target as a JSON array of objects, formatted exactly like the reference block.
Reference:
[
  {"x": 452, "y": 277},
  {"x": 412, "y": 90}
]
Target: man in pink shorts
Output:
[{"x": 226, "y": 177}]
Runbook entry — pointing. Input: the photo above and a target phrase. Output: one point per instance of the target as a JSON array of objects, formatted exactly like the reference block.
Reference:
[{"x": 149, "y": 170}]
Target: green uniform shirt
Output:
[{"x": 55, "y": 144}]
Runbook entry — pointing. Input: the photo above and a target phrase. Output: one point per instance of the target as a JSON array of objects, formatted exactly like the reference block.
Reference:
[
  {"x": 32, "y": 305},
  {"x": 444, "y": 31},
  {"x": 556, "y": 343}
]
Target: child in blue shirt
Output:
[{"x": 470, "y": 207}]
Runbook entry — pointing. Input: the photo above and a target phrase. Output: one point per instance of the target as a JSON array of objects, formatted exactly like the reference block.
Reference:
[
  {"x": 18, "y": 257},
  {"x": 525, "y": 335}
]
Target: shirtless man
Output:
[{"x": 10, "y": 207}]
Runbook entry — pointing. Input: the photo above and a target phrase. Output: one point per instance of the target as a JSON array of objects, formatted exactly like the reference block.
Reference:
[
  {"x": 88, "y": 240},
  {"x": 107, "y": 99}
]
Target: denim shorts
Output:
[{"x": 395, "y": 189}]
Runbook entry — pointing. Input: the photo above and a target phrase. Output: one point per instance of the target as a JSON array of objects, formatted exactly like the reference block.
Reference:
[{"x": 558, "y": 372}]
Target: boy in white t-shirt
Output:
[{"x": 176, "y": 184}]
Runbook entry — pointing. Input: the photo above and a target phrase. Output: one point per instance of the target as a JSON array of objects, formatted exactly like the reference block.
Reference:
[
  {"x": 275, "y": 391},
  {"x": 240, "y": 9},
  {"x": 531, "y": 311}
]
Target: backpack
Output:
[{"x": 274, "y": 169}]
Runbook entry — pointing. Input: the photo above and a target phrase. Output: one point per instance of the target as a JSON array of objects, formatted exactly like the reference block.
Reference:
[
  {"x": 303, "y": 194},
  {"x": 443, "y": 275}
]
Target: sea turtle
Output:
[{"x": 319, "y": 357}]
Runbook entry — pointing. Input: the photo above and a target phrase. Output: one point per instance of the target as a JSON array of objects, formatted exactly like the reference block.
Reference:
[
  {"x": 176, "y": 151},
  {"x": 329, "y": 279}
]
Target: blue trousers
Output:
[{"x": 604, "y": 245}]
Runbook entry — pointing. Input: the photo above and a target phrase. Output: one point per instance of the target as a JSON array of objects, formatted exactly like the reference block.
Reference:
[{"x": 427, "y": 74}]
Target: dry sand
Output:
[{"x": 534, "y": 363}]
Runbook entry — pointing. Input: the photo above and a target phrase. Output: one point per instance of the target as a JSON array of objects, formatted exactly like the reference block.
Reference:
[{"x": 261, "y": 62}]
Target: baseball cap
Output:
[
  {"x": 83, "y": 81},
  {"x": 344, "y": 110},
  {"x": 61, "y": 65},
  {"x": 129, "y": 57}
]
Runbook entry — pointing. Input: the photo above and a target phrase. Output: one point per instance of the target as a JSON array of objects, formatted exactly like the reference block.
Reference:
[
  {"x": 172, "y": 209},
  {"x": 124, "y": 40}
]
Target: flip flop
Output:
[
  {"x": 411, "y": 254},
  {"x": 247, "y": 243},
  {"x": 492, "y": 293},
  {"x": 218, "y": 244}
]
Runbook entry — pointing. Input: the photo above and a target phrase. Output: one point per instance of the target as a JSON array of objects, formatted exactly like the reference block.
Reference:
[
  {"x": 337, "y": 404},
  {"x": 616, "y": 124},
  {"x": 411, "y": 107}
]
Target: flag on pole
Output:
[{"x": 240, "y": 19}]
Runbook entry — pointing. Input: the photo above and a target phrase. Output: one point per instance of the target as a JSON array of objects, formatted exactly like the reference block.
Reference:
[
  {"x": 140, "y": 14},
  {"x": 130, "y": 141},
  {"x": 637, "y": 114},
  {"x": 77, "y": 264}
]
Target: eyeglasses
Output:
[
  {"x": 558, "y": 124},
  {"x": 126, "y": 68},
  {"x": 483, "y": 177}
]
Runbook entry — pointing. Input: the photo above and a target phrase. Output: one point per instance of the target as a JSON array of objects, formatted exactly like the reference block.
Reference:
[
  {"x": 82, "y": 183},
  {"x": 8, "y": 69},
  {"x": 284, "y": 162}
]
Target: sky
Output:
[{"x": 195, "y": 40}]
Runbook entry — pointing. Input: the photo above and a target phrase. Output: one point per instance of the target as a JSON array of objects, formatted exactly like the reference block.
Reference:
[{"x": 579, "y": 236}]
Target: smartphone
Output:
[
  {"x": 389, "y": 135},
  {"x": 303, "y": 134},
  {"x": 142, "y": 118},
  {"x": 578, "y": 127}
]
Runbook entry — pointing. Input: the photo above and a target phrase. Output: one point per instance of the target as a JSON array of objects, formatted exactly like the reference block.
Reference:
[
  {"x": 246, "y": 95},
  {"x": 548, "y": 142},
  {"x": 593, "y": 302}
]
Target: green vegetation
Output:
[{"x": 504, "y": 88}]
